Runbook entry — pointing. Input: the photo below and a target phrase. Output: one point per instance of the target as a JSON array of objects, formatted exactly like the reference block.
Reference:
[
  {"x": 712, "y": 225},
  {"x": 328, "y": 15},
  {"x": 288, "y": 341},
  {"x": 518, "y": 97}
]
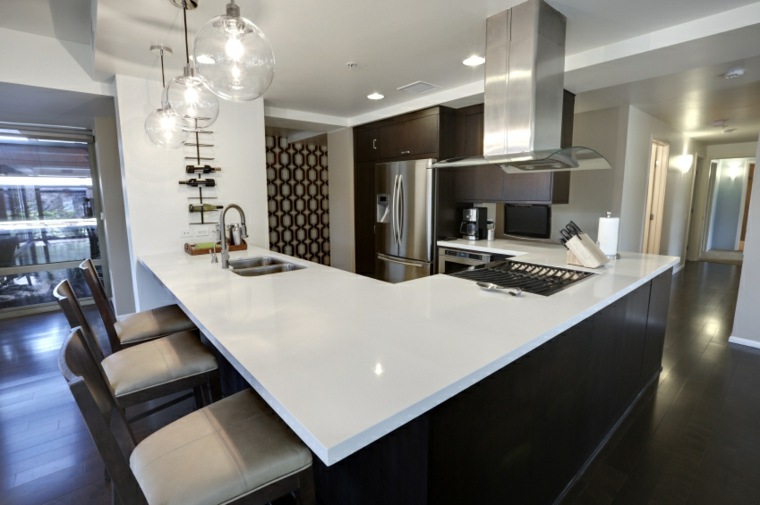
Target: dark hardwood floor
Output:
[{"x": 694, "y": 440}]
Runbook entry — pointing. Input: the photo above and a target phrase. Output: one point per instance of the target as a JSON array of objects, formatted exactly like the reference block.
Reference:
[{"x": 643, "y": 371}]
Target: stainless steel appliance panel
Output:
[
  {"x": 395, "y": 269},
  {"x": 385, "y": 187},
  {"x": 415, "y": 210},
  {"x": 405, "y": 221}
]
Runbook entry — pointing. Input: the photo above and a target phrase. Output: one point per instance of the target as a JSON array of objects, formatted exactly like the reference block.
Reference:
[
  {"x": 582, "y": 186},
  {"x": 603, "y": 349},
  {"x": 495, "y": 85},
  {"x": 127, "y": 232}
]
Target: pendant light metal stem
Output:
[{"x": 184, "y": 20}]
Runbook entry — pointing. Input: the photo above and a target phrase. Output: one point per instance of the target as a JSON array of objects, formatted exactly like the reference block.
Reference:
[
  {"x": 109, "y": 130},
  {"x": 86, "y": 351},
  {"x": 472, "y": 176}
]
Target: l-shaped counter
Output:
[{"x": 345, "y": 359}]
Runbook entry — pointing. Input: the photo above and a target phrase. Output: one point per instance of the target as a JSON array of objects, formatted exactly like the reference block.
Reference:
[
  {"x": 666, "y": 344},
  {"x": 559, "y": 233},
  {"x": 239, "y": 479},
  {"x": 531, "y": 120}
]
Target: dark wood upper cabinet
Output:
[{"x": 365, "y": 143}]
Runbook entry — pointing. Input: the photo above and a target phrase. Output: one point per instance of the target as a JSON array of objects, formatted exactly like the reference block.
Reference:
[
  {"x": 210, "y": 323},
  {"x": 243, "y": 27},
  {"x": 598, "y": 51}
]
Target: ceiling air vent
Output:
[{"x": 417, "y": 88}]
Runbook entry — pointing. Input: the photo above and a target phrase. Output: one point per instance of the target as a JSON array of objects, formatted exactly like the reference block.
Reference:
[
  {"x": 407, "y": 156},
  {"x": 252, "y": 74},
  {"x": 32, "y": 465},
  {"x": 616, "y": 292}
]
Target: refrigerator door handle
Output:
[
  {"x": 394, "y": 218},
  {"x": 401, "y": 209},
  {"x": 405, "y": 262}
]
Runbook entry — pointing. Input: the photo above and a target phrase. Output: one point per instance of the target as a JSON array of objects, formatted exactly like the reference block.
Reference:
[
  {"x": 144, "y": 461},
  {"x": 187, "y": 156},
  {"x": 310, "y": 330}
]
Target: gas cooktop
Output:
[{"x": 537, "y": 279}]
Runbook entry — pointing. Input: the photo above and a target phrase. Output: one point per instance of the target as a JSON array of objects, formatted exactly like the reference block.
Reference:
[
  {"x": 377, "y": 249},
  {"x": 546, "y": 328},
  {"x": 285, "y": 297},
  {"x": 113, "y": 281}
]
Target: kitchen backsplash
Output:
[{"x": 297, "y": 190}]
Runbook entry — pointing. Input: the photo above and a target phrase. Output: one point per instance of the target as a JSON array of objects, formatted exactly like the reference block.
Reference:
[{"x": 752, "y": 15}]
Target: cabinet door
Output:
[
  {"x": 364, "y": 217},
  {"x": 409, "y": 139},
  {"x": 479, "y": 184},
  {"x": 527, "y": 188},
  {"x": 366, "y": 143}
]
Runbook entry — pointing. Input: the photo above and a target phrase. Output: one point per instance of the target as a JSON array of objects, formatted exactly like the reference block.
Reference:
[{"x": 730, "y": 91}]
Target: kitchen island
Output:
[{"x": 435, "y": 391}]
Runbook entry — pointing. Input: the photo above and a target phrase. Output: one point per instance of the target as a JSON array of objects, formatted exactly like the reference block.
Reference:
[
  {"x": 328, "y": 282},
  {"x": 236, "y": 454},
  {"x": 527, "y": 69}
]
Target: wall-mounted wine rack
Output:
[{"x": 199, "y": 154}]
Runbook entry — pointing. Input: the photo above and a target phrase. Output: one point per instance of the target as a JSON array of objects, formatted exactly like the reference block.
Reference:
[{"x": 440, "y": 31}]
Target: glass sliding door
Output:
[{"x": 47, "y": 217}]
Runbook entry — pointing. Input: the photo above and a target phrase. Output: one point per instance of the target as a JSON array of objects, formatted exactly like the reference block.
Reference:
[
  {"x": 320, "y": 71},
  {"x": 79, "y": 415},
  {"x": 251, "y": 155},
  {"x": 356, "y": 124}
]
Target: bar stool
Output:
[
  {"x": 137, "y": 327},
  {"x": 151, "y": 370},
  {"x": 234, "y": 451}
]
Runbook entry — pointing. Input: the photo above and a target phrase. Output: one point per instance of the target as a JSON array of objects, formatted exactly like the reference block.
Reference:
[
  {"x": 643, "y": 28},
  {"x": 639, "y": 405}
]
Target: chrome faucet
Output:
[{"x": 222, "y": 228}]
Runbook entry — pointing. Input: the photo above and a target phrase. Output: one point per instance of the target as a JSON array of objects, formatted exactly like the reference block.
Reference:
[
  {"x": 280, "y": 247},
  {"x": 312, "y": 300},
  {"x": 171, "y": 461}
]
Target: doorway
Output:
[
  {"x": 726, "y": 223},
  {"x": 658, "y": 175}
]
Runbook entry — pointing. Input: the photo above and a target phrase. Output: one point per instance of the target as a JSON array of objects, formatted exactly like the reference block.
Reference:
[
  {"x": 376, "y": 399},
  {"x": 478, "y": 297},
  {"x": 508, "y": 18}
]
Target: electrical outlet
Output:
[{"x": 186, "y": 234}]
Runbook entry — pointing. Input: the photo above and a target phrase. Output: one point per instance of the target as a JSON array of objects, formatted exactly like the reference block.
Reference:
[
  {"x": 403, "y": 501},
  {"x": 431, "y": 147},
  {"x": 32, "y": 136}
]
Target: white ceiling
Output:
[{"x": 665, "y": 58}]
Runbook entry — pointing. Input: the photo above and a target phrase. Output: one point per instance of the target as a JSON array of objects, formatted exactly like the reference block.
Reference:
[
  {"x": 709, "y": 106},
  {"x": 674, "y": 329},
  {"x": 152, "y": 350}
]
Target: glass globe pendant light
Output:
[
  {"x": 234, "y": 56},
  {"x": 163, "y": 126},
  {"x": 188, "y": 94}
]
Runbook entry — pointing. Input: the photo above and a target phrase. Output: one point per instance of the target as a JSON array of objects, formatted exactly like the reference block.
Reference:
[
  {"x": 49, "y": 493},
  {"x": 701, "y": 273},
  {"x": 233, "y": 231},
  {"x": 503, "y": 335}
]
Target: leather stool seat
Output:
[
  {"x": 132, "y": 329},
  {"x": 160, "y": 361},
  {"x": 242, "y": 444},
  {"x": 140, "y": 326}
]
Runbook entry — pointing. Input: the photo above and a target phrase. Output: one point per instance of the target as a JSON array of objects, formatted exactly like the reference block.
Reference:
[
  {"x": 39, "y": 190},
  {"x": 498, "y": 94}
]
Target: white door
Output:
[{"x": 658, "y": 174}]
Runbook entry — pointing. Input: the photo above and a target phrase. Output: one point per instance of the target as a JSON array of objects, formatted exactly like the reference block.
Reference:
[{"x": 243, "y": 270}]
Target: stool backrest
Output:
[
  {"x": 71, "y": 308},
  {"x": 101, "y": 301},
  {"x": 104, "y": 420}
]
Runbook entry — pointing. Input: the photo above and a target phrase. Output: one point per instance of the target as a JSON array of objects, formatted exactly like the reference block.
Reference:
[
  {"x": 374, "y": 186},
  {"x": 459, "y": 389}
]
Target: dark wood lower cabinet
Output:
[{"x": 524, "y": 434}]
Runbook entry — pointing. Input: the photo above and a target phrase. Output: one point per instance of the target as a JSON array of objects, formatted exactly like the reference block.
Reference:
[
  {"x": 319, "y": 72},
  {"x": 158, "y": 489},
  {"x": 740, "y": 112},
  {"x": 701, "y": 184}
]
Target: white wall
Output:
[
  {"x": 746, "y": 328},
  {"x": 595, "y": 192},
  {"x": 624, "y": 136},
  {"x": 155, "y": 202},
  {"x": 340, "y": 149},
  {"x": 114, "y": 224},
  {"x": 642, "y": 129},
  {"x": 44, "y": 61}
]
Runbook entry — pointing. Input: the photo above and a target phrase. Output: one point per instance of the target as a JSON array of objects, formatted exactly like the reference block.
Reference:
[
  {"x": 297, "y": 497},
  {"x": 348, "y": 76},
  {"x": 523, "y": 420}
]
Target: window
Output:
[{"x": 47, "y": 223}]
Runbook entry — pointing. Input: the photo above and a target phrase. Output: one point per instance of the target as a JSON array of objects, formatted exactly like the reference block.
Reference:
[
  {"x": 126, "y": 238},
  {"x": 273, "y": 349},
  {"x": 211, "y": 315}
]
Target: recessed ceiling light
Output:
[
  {"x": 474, "y": 61},
  {"x": 375, "y": 96},
  {"x": 734, "y": 73},
  {"x": 719, "y": 122}
]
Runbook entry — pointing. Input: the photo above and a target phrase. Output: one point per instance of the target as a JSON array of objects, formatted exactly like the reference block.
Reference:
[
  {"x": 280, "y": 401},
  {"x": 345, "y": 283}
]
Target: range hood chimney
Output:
[{"x": 525, "y": 67}]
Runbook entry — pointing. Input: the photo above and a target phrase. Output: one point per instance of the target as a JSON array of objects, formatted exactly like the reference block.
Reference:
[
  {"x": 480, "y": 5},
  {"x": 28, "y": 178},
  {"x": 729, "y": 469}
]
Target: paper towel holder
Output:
[{"x": 616, "y": 255}]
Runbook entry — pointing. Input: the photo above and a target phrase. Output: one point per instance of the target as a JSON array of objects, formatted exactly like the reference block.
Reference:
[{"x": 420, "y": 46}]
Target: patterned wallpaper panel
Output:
[{"x": 298, "y": 199}]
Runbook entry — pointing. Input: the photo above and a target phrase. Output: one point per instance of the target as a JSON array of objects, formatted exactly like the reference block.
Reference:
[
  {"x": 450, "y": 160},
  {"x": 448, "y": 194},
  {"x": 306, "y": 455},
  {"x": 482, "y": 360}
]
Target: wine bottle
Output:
[
  {"x": 209, "y": 183},
  {"x": 204, "y": 207},
  {"x": 203, "y": 169}
]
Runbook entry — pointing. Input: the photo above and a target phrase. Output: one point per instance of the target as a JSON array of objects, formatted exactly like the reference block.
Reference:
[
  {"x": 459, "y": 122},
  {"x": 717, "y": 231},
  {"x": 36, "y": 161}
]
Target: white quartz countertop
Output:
[{"x": 345, "y": 359}]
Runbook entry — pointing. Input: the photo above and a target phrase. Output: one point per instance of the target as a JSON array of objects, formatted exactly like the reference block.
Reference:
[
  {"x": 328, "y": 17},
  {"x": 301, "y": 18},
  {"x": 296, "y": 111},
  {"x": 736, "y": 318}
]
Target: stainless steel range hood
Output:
[{"x": 525, "y": 67}]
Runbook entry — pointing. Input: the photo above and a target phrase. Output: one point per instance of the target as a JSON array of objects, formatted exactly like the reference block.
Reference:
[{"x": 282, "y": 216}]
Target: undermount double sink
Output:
[{"x": 261, "y": 265}]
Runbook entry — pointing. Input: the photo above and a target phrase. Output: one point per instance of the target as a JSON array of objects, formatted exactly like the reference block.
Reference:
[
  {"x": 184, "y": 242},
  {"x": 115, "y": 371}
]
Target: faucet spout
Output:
[{"x": 225, "y": 246}]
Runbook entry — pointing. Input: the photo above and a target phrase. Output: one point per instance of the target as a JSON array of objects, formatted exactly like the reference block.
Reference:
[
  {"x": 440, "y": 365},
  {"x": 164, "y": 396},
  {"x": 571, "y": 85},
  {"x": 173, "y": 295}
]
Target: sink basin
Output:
[
  {"x": 265, "y": 265},
  {"x": 266, "y": 270},
  {"x": 259, "y": 261}
]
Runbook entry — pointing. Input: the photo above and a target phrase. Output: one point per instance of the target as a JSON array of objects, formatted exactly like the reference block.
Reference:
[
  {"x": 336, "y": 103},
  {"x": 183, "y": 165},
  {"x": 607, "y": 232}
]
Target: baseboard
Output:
[{"x": 744, "y": 341}]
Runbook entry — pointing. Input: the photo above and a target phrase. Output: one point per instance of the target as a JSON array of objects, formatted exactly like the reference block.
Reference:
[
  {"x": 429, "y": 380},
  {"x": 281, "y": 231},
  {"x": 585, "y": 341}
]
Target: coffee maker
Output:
[{"x": 474, "y": 223}]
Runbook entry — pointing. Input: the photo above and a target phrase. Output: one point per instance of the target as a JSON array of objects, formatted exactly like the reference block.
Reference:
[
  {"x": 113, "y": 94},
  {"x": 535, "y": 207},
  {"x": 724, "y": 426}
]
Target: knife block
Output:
[{"x": 582, "y": 251}]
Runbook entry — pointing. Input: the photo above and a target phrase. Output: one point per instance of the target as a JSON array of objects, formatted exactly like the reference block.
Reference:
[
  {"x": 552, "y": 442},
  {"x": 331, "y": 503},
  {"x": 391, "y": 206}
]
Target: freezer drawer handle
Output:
[{"x": 408, "y": 263}]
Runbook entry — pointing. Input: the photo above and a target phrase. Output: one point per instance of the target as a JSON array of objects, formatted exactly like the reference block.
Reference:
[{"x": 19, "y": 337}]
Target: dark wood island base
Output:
[{"x": 525, "y": 434}]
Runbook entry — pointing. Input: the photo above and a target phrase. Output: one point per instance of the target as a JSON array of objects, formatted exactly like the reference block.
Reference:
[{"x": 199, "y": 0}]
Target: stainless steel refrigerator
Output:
[{"x": 405, "y": 221}]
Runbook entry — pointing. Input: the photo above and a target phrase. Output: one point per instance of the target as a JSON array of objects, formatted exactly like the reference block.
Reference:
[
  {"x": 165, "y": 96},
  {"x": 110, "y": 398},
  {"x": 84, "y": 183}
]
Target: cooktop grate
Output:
[{"x": 537, "y": 279}]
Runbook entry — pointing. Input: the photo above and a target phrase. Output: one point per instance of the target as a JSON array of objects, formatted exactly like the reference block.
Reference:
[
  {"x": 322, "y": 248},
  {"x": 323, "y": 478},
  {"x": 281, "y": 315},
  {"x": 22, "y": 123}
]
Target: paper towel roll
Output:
[{"x": 608, "y": 235}]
